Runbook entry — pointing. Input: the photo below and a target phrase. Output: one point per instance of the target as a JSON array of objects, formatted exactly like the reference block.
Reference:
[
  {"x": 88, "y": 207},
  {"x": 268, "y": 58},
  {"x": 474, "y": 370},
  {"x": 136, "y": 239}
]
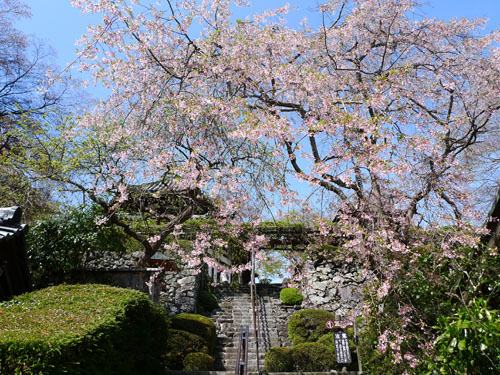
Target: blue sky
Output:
[{"x": 60, "y": 25}]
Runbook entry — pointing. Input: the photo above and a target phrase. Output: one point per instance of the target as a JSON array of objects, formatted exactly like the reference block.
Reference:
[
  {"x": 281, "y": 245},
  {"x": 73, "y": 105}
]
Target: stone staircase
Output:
[{"x": 236, "y": 311}]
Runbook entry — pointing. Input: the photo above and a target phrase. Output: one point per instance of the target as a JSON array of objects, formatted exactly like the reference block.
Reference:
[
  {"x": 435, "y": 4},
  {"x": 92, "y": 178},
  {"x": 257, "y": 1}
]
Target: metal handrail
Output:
[
  {"x": 255, "y": 305},
  {"x": 241, "y": 365}
]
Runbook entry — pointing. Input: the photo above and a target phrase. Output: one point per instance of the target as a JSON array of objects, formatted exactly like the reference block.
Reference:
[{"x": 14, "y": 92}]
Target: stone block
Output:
[
  {"x": 318, "y": 300},
  {"x": 332, "y": 291},
  {"x": 346, "y": 293},
  {"x": 321, "y": 286}
]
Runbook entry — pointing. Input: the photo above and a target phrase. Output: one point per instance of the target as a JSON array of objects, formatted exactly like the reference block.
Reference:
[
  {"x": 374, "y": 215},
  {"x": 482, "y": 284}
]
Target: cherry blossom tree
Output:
[
  {"x": 378, "y": 110},
  {"x": 158, "y": 150},
  {"x": 151, "y": 180},
  {"x": 373, "y": 106}
]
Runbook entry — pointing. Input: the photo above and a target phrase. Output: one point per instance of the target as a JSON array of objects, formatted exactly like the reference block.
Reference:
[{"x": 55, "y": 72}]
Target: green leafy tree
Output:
[
  {"x": 469, "y": 342},
  {"x": 431, "y": 304},
  {"x": 64, "y": 243},
  {"x": 28, "y": 89}
]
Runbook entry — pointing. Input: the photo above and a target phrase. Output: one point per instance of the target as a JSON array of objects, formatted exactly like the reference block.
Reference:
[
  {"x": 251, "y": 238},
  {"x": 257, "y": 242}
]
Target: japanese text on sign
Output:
[
  {"x": 331, "y": 324},
  {"x": 342, "y": 351}
]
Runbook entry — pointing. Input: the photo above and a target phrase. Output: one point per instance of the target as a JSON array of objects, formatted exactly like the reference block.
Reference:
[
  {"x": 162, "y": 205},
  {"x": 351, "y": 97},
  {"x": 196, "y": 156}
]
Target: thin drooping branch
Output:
[{"x": 329, "y": 186}]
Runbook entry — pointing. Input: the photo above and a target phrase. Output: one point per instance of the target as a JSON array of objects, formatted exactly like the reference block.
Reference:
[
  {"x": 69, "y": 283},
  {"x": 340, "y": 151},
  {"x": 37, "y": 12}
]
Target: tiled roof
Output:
[{"x": 10, "y": 223}]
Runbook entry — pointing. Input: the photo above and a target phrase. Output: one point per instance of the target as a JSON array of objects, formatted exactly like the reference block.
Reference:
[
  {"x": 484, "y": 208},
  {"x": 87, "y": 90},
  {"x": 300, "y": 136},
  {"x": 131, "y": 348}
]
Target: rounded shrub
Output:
[
  {"x": 208, "y": 301},
  {"x": 198, "y": 362},
  {"x": 180, "y": 344},
  {"x": 308, "y": 325},
  {"x": 327, "y": 340},
  {"x": 278, "y": 359},
  {"x": 313, "y": 356},
  {"x": 291, "y": 296},
  {"x": 199, "y": 325},
  {"x": 80, "y": 330}
]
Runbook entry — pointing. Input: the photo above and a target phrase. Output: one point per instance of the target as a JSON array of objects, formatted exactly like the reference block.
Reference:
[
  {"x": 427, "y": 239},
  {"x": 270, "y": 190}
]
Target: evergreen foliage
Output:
[
  {"x": 199, "y": 325},
  {"x": 308, "y": 325},
  {"x": 198, "y": 362},
  {"x": 291, "y": 296},
  {"x": 180, "y": 344},
  {"x": 442, "y": 294},
  {"x": 278, "y": 359},
  {"x": 82, "y": 330},
  {"x": 313, "y": 356},
  {"x": 63, "y": 243},
  {"x": 207, "y": 300},
  {"x": 468, "y": 342}
]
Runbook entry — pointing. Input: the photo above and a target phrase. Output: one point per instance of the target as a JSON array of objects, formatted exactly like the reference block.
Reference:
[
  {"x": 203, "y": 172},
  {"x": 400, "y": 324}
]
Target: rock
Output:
[
  {"x": 337, "y": 279},
  {"x": 324, "y": 269},
  {"x": 186, "y": 280},
  {"x": 332, "y": 292},
  {"x": 322, "y": 286},
  {"x": 345, "y": 293},
  {"x": 334, "y": 288},
  {"x": 317, "y": 300}
]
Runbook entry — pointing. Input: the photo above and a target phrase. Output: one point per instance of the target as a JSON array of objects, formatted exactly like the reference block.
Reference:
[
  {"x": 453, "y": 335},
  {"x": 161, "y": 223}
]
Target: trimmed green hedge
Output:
[
  {"x": 208, "y": 301},
  {"x": 199, "y": 325},
  {"x": 82, "y": 329},
  {"x": 198, "y": 362},
  {"x": 308, "y": 325},
  {"x": 313, "y": 356},
  {"x": 181, "y": 344},
  {"x": 313, "y": 346},
  {"x": 278, "y": 359},
  {"x": 309, "y": 356},
  {"x": 327, "y": 340},
  {"x": 291, "y": 296}
]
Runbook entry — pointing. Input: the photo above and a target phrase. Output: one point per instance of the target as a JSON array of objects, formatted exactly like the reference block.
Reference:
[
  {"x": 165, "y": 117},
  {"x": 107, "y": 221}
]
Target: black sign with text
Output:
[{"x": 342, "y": 351}]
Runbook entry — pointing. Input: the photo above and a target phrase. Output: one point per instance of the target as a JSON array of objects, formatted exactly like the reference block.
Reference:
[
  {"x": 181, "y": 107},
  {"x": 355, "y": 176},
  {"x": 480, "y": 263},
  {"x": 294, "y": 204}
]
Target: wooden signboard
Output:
[{"x": 342, "y": 324}]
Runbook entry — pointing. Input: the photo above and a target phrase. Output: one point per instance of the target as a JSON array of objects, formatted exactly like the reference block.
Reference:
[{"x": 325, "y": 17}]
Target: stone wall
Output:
[
  {"x": 334, "y": 288},
  {"x": 177, "y": 291}
]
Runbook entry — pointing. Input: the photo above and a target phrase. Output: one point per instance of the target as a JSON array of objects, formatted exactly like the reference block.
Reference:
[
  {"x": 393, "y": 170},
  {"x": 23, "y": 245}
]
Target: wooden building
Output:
[{"x": 14, "y": 274}]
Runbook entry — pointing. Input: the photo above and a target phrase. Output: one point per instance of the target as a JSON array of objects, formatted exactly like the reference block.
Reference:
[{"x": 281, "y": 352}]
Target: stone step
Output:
[
  {"x": 267, "y": 333},
  {"x": 251, "y": 354},
  {"x": 231, "y": 360},
  {"x": 228, "y": 319},
  {"x": 252, "y": 347},
  {"x": 229, "y": 350},
  {"x": 231, "y": 372},
  {"x": 236, "y": 328},
  {"x": 236, "y": 311},
  {"x": 272, "y": 342}
]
